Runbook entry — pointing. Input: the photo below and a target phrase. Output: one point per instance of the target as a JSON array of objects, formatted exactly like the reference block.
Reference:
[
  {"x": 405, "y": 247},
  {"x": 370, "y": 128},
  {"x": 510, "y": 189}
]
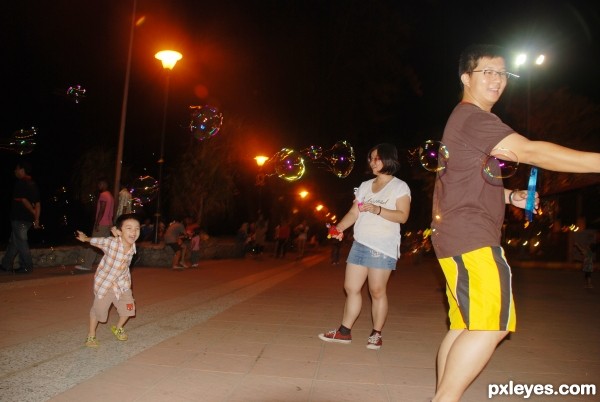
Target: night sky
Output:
[{"x": 284, "y": 73}]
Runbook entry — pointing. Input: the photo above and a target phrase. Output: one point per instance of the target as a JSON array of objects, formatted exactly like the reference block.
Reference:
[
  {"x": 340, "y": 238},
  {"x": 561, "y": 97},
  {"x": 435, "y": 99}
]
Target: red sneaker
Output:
[
  {"x": 335, "y": 336},
  {"x": 374, "y": 341}
]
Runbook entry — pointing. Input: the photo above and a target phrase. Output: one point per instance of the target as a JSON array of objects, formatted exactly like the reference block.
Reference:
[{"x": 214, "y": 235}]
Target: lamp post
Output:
[
  {"x": 531, "y": 187},
  {"x": 260, "y": 178},
  {"x": 168, "y": 58},
  {"x": 521, "y": 60},
  {"x": 119, "y": 160}
]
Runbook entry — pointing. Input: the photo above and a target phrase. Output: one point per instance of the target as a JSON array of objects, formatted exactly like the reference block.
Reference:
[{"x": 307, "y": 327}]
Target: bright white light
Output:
[
  {"x": 540, "y": 59},
  {"x": 521, "y": 59}
]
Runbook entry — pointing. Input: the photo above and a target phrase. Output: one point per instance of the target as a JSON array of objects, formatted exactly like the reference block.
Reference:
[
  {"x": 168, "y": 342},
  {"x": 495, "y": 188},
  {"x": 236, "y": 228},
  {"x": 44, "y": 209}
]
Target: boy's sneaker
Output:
[
  {"x": 91, "y": 342},
  {"x": 119, "y": 333},
  {"x": 335, "y": 336},
  {"x": 375, "y": 341}
]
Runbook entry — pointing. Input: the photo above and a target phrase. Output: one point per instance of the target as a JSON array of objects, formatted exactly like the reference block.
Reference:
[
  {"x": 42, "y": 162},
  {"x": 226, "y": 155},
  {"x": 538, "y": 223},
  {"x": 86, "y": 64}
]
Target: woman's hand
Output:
[{"x": 372, "y": 208}]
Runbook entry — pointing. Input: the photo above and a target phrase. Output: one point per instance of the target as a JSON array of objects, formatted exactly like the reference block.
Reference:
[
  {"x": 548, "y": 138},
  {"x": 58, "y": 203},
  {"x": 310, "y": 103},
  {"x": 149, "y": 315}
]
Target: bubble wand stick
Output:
[{"x": 529, "y": 205}]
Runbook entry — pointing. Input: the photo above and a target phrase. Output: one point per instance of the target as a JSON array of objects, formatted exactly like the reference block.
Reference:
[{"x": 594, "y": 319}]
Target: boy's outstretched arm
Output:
[{"x": 82, "y": 237}]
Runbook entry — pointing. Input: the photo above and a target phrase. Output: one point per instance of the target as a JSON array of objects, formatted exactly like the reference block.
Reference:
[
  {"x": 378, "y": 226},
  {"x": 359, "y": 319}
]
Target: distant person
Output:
[
  {"x": 587, "y": 263},
  {"x": 198, "y": 238},
  {"x": 24, "y": 213},
  {"x": 147, "y": 230},
  {"x": 260, "y": 234},
  {"x": 243, "y": 239},
  {"x": 283, "y": 237},
  {"x": 336, "y": 246},
  {"x": 103, "y": 221},
  {"x": 468, "y": 214},
  {"x": 175, "y": 236},
  {"x": 124, "y": 205},
  {"x": 301, "y": 232},
  {"x": 112, "y": 281},
  {"x": 380, "y": 206}
]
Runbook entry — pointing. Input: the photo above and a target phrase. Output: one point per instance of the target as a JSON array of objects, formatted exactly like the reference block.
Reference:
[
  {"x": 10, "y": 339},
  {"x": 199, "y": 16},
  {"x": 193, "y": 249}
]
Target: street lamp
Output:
[{"x": 168, "y": 58}]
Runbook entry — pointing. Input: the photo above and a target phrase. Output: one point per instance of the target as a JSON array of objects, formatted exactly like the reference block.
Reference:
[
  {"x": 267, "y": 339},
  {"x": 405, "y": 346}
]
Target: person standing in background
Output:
[
  {"x": 25, "y": 212},
  {"x": 124, "y": 206},
  {"x": 102, "y": 223},
  {"x": 283, "y": 236}
]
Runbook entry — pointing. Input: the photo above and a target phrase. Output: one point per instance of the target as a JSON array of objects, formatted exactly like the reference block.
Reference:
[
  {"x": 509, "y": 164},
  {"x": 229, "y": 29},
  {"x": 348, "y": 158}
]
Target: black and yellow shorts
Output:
[{"x": 479, "y": 290}]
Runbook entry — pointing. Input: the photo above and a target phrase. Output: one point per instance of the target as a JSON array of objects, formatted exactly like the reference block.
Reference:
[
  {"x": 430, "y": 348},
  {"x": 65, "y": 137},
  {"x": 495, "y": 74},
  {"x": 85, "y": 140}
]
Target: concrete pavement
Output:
[{"x": 246, "y": 330}]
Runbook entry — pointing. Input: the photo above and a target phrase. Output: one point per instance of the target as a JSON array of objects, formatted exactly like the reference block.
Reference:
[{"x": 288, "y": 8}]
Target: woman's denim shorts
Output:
[{"x": 367, "y": 257}]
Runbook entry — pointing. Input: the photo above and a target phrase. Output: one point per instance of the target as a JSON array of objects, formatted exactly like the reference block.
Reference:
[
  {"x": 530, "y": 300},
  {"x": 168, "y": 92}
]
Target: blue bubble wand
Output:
[{"x": 529, "y": 205}]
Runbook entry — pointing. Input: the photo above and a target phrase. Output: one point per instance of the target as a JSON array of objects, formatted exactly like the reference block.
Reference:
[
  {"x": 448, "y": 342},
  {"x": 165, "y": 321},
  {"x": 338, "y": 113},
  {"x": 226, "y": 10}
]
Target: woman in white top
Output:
[{"x": 380, "y": 206}]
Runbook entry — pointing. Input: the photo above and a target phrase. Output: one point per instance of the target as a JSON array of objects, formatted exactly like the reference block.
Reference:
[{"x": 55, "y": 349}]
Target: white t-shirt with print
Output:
[{"x": 372, "y": 230}]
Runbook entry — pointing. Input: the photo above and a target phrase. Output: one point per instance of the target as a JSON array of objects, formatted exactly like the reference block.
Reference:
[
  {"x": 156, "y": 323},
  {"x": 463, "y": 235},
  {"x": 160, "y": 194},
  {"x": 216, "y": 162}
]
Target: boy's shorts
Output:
[
  {"x": 479, "y": 290},
  {"x": 125, "y": 305}
]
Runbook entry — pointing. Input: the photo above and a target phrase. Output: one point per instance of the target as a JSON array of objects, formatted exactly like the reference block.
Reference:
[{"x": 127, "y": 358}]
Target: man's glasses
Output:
[{"x": 503, "y": 75}]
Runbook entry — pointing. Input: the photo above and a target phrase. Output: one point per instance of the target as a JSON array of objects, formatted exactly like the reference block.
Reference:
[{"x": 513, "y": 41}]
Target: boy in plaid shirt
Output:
[{"x": 112, "y": 281}]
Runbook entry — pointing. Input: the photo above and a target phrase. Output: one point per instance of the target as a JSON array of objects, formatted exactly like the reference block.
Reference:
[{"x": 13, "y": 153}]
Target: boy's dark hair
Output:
[
  {"x": 388, "y": 154},
  {"x": 124, "y": 217},
  {"x": 470, "y": 57}
]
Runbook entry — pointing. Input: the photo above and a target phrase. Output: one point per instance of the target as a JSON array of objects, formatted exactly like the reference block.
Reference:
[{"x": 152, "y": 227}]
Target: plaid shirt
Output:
[{"x": 113, "y": 270}]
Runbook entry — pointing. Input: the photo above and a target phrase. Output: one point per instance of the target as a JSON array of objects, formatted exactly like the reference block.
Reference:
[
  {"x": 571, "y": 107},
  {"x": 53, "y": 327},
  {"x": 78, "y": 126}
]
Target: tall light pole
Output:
[
  {"x": 531, "y": 187},
  {"x": 521, "y": 60},
  {"x": 260, "y": 178},
  {"x": 119, "y": 160},
  {"x": 168, "y": 58}
]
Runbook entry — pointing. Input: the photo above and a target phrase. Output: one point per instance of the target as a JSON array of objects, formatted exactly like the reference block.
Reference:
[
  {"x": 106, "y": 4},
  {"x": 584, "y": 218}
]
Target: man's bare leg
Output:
[{"x": 462, "y": 356}]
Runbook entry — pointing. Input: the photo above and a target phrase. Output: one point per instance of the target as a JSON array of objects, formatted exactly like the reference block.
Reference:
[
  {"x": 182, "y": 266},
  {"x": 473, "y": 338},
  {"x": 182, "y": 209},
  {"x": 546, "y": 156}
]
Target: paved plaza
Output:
[{"x": 246, "y": 330}]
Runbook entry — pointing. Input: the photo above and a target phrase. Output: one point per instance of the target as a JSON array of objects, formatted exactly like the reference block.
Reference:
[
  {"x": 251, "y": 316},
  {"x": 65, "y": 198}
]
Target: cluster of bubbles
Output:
[
  {"x": 205, "y": 121},
  {"x": 21, "y": 142},
  {"x": 434, "y": 155},
  {"x": 289, "y": 165},
  {"x": 76, "y": 93}
]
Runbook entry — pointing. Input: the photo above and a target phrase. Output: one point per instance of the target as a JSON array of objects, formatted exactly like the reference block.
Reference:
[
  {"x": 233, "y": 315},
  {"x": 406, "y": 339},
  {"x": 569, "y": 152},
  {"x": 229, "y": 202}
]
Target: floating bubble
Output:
[
  {"x": 206, "y": 121},
  {"x": 433, "y": 155},
  {"x": 137, "y": 206},
  {"x": 313, "y": 152},
  {"x": 144, "y": 189},
  {"x": 76, "y": 93},
  {"x": 500, "y": 164},
  {"x": 340, "y": 159},
  {"x": 287, "y": 164},
  {"x": 21, "y": 142}
]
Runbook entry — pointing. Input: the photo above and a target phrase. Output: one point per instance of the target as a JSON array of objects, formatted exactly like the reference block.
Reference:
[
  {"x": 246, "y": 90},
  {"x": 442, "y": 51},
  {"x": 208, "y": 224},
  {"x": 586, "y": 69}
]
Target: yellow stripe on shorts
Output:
[{"x": 479, "y": 290}]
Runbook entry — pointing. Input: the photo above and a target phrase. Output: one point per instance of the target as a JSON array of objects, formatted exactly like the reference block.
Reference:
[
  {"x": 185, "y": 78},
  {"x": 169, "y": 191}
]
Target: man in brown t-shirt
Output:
[{"x": 468, "y": 212}]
